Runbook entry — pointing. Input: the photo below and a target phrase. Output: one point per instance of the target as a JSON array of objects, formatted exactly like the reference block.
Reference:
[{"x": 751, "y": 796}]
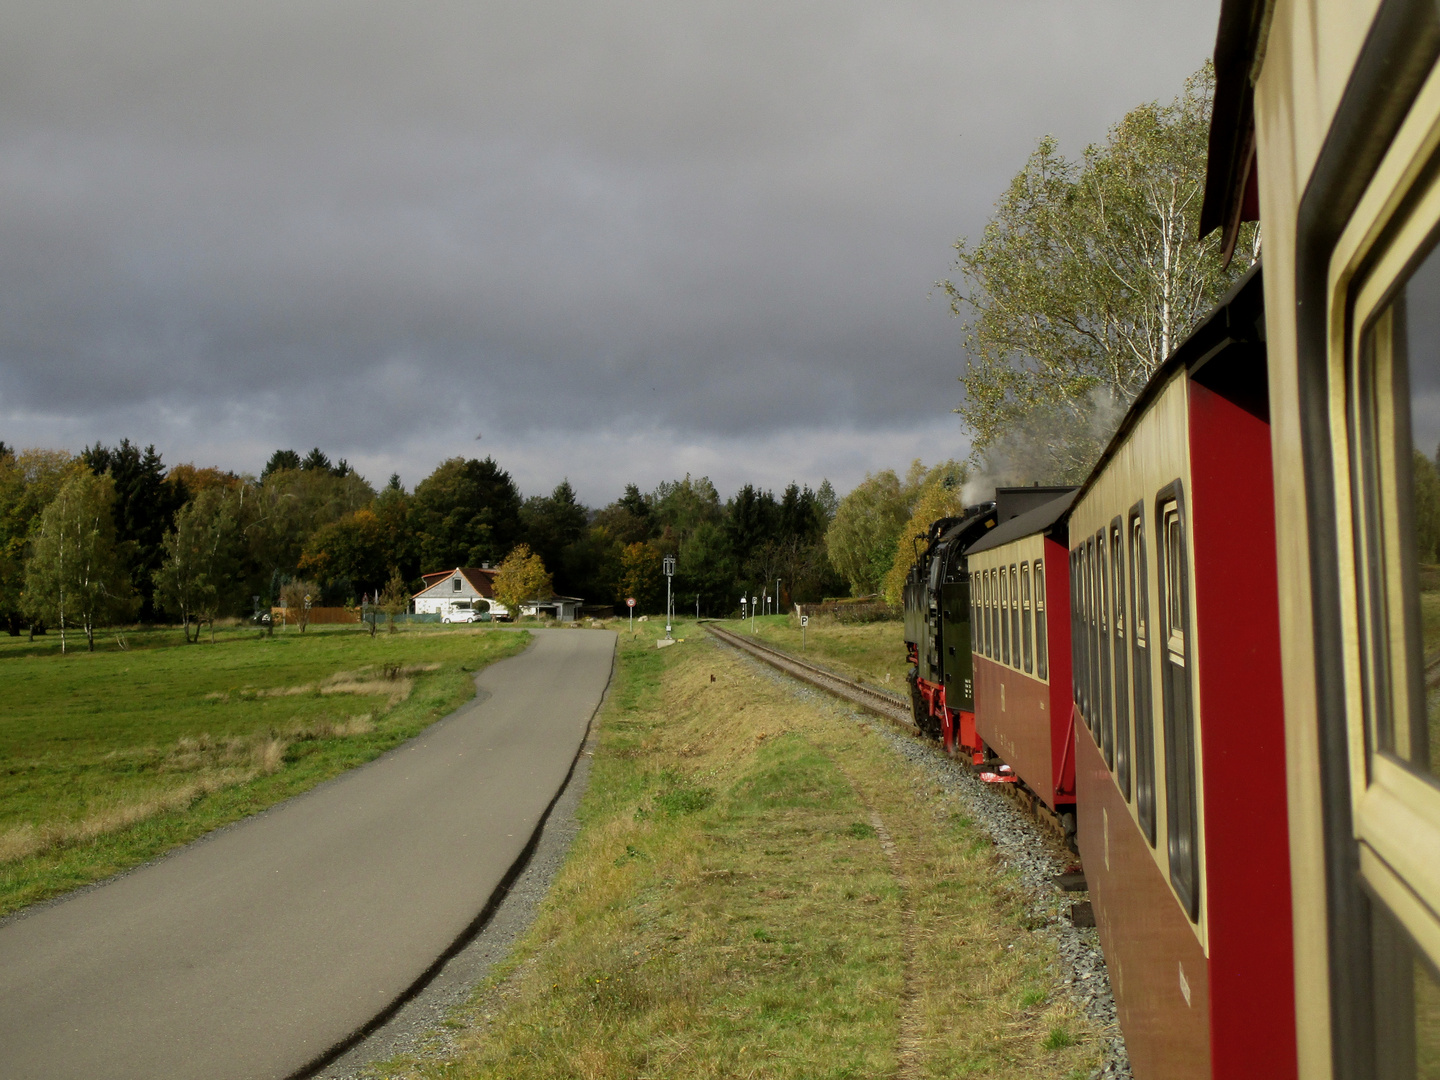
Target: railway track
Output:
[{"x": 880, "y": 702}]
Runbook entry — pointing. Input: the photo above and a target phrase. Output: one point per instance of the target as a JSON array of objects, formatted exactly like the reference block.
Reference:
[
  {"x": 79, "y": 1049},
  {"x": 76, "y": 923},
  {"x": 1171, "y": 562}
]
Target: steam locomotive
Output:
[{"x": 1221, "y": 653}]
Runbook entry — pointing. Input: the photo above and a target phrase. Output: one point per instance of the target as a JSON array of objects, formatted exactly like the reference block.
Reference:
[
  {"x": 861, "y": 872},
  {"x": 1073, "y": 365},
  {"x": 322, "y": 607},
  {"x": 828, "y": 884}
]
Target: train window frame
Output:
[
  {"x": 1016, "y": 620},
  {"x": 1143, "y": 711},
  {"x": 1118, "y": 658},
  {"x": 974, "y": 612},
  {"x": 1004, "y": 617},
  {"x": 1102, "y": 650},
  {"x": 1077, "y": 691},
  {"x": 1184, "y": 834},
  {"x": 1027, "y": 620},
  {"x": 1092, "y": 646},
  {"x": 1042, "y": 651},
  {"x": 990, "y": 651},
  {"x": 985, "y": 613},
  {"x": 1395, "y": 809}
]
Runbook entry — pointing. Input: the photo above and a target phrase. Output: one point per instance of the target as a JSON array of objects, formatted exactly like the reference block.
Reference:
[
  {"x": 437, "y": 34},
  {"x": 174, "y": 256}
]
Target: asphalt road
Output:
[{"x": 255, "y": 951}]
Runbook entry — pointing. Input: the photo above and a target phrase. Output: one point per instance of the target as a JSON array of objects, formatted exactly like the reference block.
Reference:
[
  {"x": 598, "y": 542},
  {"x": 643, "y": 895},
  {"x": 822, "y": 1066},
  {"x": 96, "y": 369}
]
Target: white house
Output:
[
  {"x": 560, "y": 608},
  {"x": 466, "y": 594}
]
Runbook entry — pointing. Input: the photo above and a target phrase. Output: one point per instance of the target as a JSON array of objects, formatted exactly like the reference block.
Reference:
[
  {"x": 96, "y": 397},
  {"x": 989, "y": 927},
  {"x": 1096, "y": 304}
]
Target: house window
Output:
[{"x": 456, "y": 584}]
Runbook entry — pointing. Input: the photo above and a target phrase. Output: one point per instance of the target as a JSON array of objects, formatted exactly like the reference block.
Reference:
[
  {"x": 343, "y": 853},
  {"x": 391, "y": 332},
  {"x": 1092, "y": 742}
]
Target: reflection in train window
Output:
[
  {"x": 1181, "y": 817},
  {"x": 1122, "y": 682},
  {"x": 1041, "y": 660},
  {"x": 1399, "y": 420},
  {"x": 1140, "y": 670},
  {"x": 1407, "y": 1004},
  {"x": 1027, "y": 618}
]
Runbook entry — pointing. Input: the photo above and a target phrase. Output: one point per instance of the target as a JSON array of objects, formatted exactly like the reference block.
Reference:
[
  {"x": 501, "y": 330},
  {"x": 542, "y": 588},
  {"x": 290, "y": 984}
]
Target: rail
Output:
[{"x": 881, "y": 702}]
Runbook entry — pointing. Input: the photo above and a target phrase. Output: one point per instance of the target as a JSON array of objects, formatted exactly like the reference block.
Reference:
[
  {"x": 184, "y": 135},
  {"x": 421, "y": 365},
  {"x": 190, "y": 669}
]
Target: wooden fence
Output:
[{"x": 317, "y": 615}]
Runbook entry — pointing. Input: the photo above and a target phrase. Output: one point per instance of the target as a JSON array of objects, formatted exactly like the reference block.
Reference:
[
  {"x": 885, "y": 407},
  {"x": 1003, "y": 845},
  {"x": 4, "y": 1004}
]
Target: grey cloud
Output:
[{"x": 272, "y": 219}]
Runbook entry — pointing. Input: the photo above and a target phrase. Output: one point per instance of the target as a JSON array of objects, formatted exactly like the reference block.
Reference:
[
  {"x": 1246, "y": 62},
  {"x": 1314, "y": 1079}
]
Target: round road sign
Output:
[{"x": 630, "y": 601}]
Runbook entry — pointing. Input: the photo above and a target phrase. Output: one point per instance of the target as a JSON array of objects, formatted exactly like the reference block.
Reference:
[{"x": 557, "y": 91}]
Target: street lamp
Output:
[
  {"x": 669, "y": 606},
  {"x": 777, "y": 595}
]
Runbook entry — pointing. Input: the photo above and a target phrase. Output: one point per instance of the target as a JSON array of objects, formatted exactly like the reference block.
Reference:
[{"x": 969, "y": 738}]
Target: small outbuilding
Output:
[
  {"x": 465, "y": 594},
  {"x": 559, "y": 608}
]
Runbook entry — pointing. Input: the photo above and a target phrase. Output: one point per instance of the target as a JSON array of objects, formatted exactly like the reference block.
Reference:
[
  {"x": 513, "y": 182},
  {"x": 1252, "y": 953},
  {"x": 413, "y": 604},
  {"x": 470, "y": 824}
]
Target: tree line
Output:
[{"x": 110, "y": 535}]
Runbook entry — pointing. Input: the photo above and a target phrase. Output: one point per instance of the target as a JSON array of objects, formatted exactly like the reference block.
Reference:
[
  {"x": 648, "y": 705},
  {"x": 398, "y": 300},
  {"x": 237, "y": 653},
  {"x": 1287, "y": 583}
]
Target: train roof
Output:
[
  {"x": 1041, "y": 519},
  {"x": 1238, "y": 319}
]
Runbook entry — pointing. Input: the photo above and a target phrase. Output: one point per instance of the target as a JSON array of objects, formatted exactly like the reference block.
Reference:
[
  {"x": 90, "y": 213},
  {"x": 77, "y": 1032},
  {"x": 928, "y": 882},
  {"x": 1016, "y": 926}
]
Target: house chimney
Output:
[{"x": 484, "y": 566}]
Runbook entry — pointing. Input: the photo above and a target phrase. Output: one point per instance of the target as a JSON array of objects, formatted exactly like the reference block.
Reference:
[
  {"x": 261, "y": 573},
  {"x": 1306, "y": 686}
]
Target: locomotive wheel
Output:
[{"x": 917, "y": 703}]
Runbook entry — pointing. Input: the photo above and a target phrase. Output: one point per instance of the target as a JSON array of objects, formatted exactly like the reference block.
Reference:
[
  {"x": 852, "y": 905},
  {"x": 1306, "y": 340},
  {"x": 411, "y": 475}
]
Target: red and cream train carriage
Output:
[
  {"x": 1180, "y": 744},
  {"x": 1020, "y": 619}
]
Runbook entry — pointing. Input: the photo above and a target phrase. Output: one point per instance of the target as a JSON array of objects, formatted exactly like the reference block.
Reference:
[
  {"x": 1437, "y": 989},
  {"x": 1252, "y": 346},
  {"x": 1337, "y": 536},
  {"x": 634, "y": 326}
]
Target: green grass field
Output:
[
  {"x": 108, "y": 759},
  {"x": 871, "y": 652},
  {"x": 730, "y": 908}
]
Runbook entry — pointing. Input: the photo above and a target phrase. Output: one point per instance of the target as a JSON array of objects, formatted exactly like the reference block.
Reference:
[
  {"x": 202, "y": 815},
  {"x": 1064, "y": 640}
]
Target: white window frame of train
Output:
[
  {"x": 1140, "y": 674},
  {"x": 1395, "y": 806}
]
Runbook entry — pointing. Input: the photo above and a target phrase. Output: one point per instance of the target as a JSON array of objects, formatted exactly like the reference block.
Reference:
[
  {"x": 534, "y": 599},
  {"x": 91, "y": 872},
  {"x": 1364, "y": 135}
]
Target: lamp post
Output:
[
  {"x": 754, "y": 605},
  {"x": 777, "y": 595},
  {"x": 669, "y": 604}
]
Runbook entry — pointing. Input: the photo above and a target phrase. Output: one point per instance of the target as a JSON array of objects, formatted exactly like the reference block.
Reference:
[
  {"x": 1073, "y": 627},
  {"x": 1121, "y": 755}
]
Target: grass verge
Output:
[
  {"x": 114, "y": 757},
  {"x": 761, "y": 887},
  {"x": 870, "y": 652}
]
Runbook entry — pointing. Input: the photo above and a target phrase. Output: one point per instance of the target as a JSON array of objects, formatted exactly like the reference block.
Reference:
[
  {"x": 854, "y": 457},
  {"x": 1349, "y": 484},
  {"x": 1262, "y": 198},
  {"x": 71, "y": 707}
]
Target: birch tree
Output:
[
  {"x": 200, "y": 568},
  {"x": 1087, "y": 277},
  {"x": 75, "y": 576}
]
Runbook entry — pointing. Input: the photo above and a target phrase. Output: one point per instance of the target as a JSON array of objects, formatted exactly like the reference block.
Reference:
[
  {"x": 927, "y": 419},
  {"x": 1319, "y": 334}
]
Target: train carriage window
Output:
[
  {"x": 990, "y": 614},
  {"x": 1042, "y": 667},
  {"x": 984, "y": 613},
  {"x": 1399, "y": 411},
  {"x": 984, "y": 603},
  {"x": 1090, "y": 645},
  {"x": 1014, "y": 614},
  {"x": 1140, "y": 676},
  {"x": 1027, "y": 618},
  {"x": 1004, "y": 616},
  {"x": 1102, "y": 635},
  {"x": 1117, "y": 653},
  {"x": 1077, "y": 691},
  {"x": 1084, "y": 636},
  {"x": 1391, "y": 429},
  {"x": 1181, "y": 817}
]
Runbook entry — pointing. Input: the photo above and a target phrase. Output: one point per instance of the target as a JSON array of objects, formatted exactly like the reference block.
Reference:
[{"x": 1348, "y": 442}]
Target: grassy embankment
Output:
[
  {"x": 108, "y": 759},
  {"x": 730, "y": 908},
  {"x": 870, "y": 652}
]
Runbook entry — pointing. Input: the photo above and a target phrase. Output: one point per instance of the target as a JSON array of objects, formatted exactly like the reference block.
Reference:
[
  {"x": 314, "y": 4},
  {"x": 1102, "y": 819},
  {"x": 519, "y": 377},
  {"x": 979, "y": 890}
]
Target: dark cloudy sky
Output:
[{"x": 622, "y": 241}]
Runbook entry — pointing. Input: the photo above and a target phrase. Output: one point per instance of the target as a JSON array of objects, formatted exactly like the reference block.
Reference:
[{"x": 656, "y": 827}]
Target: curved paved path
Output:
[{"x": 254, "y": 952}]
